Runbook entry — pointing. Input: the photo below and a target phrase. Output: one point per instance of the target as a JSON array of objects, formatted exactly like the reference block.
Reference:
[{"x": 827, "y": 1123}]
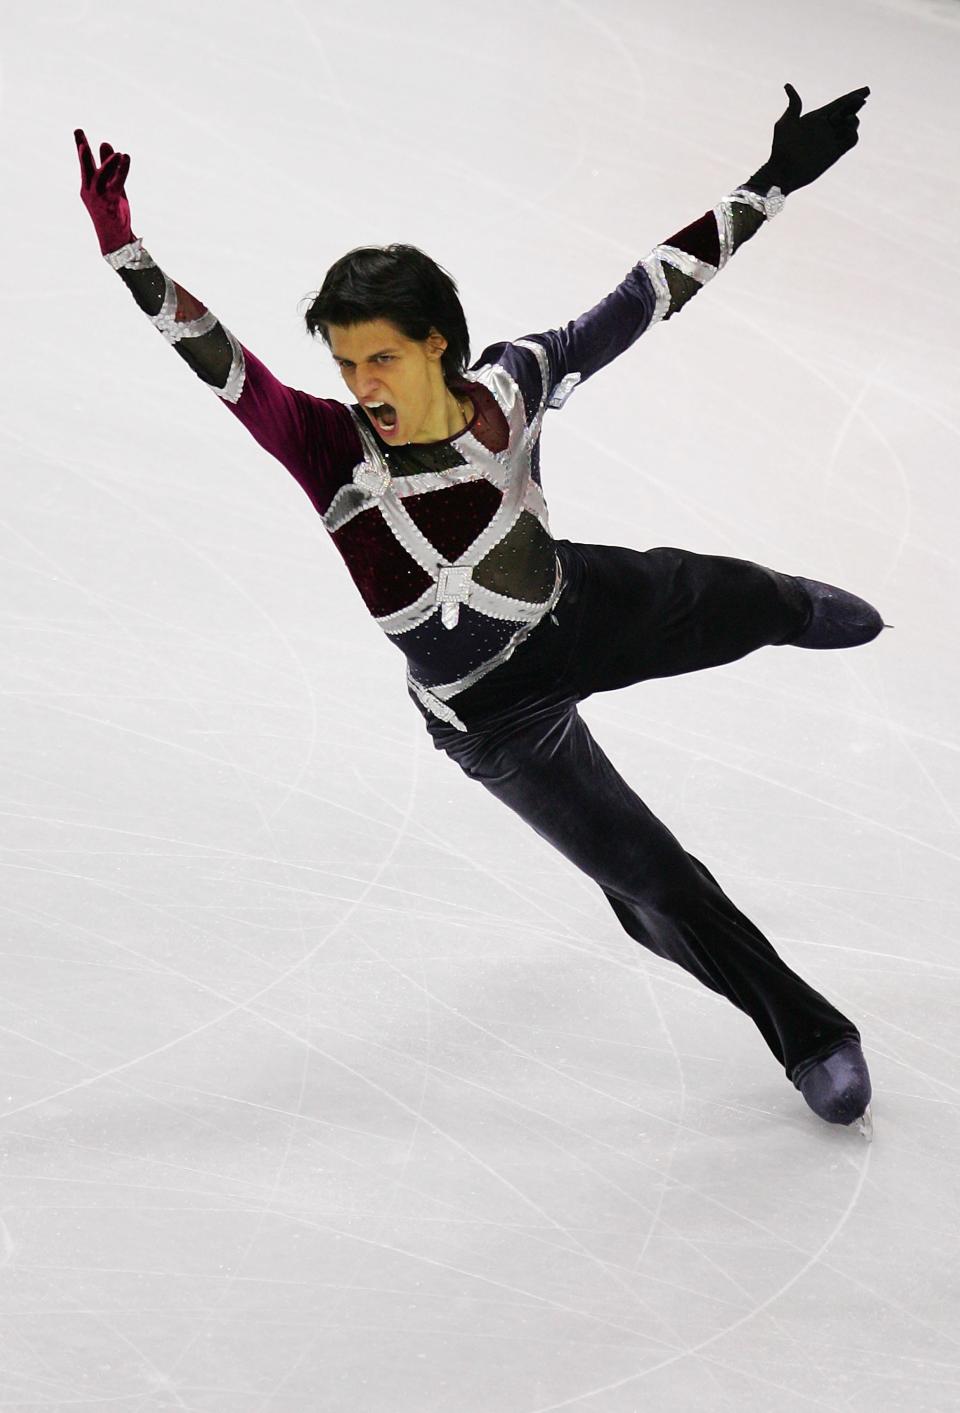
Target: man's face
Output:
[{"x": 379, "y": 364}]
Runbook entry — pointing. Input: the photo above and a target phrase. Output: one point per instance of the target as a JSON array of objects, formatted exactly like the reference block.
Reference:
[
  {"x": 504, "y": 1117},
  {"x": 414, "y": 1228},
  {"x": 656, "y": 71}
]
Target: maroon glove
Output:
[{"x": 102, "y": 193}]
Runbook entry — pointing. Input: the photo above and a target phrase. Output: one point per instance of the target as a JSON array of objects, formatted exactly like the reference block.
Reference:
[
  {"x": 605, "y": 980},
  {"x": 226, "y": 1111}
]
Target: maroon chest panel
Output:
[
  {"x": 490, "y": 428},
  {"x": 386, "y": 575},
  {"x": 381, "y": 568},
  {"x": 452, "y": 519}
]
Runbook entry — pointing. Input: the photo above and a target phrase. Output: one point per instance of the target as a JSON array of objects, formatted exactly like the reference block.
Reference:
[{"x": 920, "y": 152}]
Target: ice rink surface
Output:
[{"x": 326, "y": 1084}]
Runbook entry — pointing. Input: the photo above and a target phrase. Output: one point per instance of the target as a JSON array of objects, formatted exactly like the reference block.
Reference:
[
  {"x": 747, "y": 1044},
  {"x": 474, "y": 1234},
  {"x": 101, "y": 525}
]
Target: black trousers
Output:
[{"x": 625, "y": 616}]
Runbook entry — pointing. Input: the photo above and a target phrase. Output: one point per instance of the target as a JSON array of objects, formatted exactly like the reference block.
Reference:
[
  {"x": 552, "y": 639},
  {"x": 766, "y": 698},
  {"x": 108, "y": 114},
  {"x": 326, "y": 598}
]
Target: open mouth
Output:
[{"x": 383, "y": 414}]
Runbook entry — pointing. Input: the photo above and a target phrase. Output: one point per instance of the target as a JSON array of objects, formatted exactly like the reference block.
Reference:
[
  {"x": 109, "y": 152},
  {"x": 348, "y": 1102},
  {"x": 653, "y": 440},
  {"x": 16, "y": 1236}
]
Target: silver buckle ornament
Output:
[
  {"x": 372, "y": 478},
  {"x": 453, "y": 589}
]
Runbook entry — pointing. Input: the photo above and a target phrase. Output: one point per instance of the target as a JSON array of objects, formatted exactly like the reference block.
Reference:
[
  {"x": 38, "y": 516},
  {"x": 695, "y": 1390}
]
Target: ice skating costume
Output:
[{"x": 448, "y": 542}]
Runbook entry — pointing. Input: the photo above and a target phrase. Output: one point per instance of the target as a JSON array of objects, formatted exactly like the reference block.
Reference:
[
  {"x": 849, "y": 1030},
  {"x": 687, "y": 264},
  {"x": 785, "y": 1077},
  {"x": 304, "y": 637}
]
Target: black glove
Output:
[{"x": 803, "y": 148}]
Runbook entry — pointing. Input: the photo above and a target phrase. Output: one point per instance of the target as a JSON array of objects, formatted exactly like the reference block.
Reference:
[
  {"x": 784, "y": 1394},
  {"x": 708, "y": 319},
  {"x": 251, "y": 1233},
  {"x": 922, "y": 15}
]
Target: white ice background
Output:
[{"x": 325, "y": 1084}]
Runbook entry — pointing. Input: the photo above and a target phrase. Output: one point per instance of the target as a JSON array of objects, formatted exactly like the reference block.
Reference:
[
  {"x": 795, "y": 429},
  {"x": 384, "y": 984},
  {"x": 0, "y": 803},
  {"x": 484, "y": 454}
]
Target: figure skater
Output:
[{"x": 428, "y": 483}]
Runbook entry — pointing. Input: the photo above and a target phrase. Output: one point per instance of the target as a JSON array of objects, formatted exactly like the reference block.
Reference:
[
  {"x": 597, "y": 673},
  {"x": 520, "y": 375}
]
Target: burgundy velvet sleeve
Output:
[{"x": 314, "y": 438}]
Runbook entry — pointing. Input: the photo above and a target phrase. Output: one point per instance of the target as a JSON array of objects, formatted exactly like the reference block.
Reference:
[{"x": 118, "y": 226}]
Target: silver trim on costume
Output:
[
  {"x": 373, "y": 488},
  {"x": 349, "y": 501},
  {"x": 423, "y": 481},
  {"x": 434, "y": 705},
  {"x": 433, "y": 697},
  {"x": 134, "y": 257},
  {"x": 352, "y": 500},
  {"x": 454, "y": 587},
  {"x": 563, "y": 389},
  {"x": 130, "y": 257},
  {"x": 233, "y": 387},
  {"x": 687, "y": 264},
  {"x": 651, "y": 264},
  {"x": 394, "y": 624},
  {"x": 543, "y": 362},
  {"x": 771, "y": 205},
  {"x": 166, "y": 320},
  {"x": 533, "y": 430},
  {"x": 723, "y": 215},
  {"x": 701, "y": 270},
  {"x": 454, "y": 582},
  {"x": 372, "y": 477}
]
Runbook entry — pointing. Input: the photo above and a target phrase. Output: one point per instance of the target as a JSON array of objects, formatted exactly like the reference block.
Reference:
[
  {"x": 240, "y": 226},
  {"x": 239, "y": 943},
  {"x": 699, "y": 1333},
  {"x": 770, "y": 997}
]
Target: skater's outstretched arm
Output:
[
  {"x": 660, "y": 285},
  {"x": 303, "y": 432}
]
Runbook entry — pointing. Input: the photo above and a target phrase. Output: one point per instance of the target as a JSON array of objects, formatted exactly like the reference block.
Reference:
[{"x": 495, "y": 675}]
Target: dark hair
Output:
[{"x": 400, "y": 284}]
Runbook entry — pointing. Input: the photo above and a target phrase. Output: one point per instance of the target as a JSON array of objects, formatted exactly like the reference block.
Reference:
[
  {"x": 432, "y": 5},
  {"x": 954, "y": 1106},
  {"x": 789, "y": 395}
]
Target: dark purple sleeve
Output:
[
  {"x": 594, "y": 339},
  {"x": 656, "y": 288}
]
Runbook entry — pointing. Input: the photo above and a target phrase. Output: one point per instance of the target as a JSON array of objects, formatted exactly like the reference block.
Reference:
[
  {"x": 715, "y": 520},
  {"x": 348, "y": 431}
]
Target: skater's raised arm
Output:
[
  {"x": 660, "y": 285},
  {"x": 301, "y": 431}
]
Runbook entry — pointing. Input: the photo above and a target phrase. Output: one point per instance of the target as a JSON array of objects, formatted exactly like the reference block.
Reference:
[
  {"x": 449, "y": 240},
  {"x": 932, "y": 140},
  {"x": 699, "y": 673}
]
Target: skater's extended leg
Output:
[
  {"x": 643, "y": 614},
  {"x": 640, "y": 614},
  {"x": 628, "y": 615}
]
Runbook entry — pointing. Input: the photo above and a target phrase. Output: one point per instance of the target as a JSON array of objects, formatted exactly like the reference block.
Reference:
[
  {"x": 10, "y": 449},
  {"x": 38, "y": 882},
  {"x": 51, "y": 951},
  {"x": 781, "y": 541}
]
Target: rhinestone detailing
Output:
[
  {"x": 723, "y": 216},
  {"x": 563, "y": 390},
  {"x": 372, "y": 477},
  {"x": 435, "y": 705},
  {"x": 654, "y": 272},
  {"x": 771, "y": 205},
  {"x": 688, "y": 265},
  {"x": 543, "y": 363},
  {"x": 130, "y": 257},
  {"x": 172, "y": 330},
  {"x": 233, "y": 387}
]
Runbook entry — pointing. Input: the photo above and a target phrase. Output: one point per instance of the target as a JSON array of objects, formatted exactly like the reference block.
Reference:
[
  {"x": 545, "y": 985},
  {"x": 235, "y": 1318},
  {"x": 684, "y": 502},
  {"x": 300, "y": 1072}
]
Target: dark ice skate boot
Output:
[
  {"x": 837, "y": 1088},
  {"x": 837, "y": 619}
]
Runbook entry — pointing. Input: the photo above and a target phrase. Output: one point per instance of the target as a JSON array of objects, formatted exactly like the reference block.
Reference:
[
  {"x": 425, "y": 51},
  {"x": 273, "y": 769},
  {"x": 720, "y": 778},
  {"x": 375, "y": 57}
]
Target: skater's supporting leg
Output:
[
  {"x": 837, "y": 1087},
  {"x": 626, "y": 615},
  {"x": 547, "y": 767}
]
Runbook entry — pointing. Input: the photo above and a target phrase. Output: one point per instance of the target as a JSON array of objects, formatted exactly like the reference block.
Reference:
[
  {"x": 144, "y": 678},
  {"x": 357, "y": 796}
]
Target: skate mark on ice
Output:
[{"x": 737, "y": 1324}]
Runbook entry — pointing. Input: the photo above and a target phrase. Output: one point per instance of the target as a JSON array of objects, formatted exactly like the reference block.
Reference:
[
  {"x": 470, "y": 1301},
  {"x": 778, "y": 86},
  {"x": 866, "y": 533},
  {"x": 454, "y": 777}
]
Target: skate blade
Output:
[{"x": 864, "y": 1124}]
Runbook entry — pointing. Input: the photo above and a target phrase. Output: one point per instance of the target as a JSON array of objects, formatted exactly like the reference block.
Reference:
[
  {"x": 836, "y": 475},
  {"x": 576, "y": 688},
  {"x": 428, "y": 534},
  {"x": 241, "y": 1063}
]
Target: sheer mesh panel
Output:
[
  {"x": 682, "y": 288},
  {"x": 414, "y": 457},
  {"x": 147, "y": 288},
  {"x": 209, "y": 355},
  {"x": 746, "y": 223},
  {"x": 522, "y": 565},
  {"x": 702, "y": 240}
]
